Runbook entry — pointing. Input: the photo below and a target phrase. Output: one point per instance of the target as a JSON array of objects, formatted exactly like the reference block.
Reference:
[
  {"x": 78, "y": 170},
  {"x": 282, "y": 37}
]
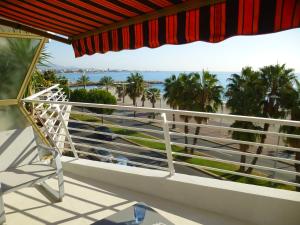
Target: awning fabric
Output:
[{"x": 213, "y": 22}]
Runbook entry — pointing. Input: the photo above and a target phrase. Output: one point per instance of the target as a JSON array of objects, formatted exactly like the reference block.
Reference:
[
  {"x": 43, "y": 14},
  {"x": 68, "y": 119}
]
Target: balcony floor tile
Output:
[{"x": 86, "y": 201}]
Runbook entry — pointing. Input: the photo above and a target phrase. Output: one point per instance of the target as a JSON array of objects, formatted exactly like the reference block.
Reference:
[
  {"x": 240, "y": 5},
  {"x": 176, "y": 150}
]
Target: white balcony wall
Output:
[{"x": 252, "y": 204}]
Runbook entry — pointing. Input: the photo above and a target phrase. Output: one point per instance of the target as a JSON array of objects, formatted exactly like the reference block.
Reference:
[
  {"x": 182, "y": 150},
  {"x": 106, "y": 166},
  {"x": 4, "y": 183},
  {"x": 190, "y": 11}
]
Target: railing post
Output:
[
  {"x": 67, "y": 132},
  {"x": 168, "y": 144},
  {"x": 276, "y": 154}
]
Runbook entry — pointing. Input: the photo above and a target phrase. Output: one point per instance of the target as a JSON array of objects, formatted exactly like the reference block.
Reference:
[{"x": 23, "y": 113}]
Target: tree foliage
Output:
[
  {"x": 144, "y": 97},
  {"x": 107, "y": 82},
  {"x": 153, "y": 94},
  {"x": 263, "y": 93},
  {"x": 277, "y": 83},
  {"x": 83, "y": 80},
  {"x": 135, "y": 86},
  {"x": 193, "y": 92},
  {"x": 295, "y": 115},
  {"x": 94, "y": 96},
  {"x": 121, "y": 92},
  {"x": 170, "y": 94},
  {"x": 15, "y": 58}
]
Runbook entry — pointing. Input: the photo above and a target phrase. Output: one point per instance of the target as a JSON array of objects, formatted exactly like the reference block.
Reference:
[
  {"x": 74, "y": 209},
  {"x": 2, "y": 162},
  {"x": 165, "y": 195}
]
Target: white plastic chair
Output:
[{"x": 22, "y": 165}]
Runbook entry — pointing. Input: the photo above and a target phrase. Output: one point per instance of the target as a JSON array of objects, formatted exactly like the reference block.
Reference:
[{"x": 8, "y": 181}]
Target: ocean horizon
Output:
[{"x": 148, "y": 76}]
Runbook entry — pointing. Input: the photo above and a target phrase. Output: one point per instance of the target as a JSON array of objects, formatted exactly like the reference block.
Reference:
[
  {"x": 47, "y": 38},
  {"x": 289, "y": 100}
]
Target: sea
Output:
[{"x": 148, "y": 76}]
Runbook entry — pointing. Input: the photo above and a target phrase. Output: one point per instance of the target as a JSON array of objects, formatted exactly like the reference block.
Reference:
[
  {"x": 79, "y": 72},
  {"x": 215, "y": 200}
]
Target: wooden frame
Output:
[
  {"x": 33, "y": 30},
  {"x": 17, "y": 35},
  {"x": 31, "y": 68},
  {"x": 28, "y": 76},
  {"x": 8, "y": 102},
  {"x": 33, "y": 124}
]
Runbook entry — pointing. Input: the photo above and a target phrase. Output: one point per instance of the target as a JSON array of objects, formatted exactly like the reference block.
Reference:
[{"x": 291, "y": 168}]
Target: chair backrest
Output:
[{"x": 17, "y": 147}]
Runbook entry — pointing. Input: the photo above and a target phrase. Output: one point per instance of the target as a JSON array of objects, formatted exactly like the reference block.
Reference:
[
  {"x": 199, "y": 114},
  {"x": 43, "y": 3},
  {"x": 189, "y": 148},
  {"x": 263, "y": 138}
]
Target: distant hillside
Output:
[{"x": 52, "y": 66}]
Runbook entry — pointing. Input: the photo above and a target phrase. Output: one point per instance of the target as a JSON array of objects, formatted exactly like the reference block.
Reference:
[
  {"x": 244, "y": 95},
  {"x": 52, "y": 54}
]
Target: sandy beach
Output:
[{"x": 213, "y": 132}]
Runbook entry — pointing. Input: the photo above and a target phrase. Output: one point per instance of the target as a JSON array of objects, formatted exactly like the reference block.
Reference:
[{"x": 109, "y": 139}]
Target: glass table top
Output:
[{"x": 138, "y": 214}]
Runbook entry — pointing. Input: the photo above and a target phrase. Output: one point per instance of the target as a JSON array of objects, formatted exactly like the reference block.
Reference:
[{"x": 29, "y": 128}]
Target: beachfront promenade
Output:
[
  {"x": 179, "y": 168},
  {"x": 207, "y": 141}
]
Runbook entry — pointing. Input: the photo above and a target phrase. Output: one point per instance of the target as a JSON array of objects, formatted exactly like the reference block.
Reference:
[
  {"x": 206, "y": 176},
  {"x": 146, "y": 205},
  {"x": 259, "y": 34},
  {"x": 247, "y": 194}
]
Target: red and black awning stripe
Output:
[
  {"x": 212, "y": 23},
  {"x": 84, "y": 21}
]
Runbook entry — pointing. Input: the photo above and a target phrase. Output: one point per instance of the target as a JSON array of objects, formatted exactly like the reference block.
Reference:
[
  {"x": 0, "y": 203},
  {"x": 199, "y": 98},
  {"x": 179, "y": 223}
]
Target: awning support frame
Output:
[{"x": 32, "y": 30}]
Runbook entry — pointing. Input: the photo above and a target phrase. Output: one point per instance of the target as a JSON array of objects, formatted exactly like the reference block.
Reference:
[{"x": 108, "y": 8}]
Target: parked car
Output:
[
  {"x": 122, "y": 160},
  {"x": 108, "y": 157},
  {"x": 108, "y": 137}
]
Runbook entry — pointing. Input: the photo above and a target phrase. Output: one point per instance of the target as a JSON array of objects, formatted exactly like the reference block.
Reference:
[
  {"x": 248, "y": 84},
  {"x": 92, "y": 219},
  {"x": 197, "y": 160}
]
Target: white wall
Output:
[{"x": 253, "y": 204}]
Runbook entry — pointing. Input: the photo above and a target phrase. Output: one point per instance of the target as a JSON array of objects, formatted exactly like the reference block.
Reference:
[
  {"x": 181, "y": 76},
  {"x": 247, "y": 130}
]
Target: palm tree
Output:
[
  {"x": 38, "y": 79},
  {"x": 106, "y": 81},
  {"x": 187, "y": 88},
  {"x": 171, "y": 94},
  {"x": 153, "y": 94},
  {"x": 121, "y": 91},
  {"x": 135, "y": 86},
  {"x": 295, "y": 115},
  {"x": 244, "y": 136},
  {"x": 83, "y": 80},
  {"x": 208, "y": 97},
  {"x": 277, "y": 83},
  {"x": 244, "y": 95},
  {"x": 15, "y": 57},
  {"x": 50, "y": 76},
  {"x": 144, "y": 96}
]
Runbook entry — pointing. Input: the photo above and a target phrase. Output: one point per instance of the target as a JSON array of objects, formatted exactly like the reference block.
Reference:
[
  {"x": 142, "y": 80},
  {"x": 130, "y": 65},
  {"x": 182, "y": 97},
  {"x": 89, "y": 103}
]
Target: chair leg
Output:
[
  {"x": 61, "y": 190},
  {"x": 2, "y": 212}
]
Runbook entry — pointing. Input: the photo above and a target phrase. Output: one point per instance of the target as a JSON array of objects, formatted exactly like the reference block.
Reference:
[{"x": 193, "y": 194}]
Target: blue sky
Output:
[{"x": 229, "y": 55}]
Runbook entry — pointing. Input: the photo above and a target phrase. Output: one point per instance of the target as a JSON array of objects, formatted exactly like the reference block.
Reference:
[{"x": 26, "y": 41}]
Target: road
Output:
[
  {"x": 201, "y": 142},
  {"x": 113, "y": 146},
  {"x": 220, "y": 155}
]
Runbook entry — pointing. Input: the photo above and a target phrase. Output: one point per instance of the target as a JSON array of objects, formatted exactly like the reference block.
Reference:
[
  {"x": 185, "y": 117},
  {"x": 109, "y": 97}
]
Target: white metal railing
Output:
[{"x": 152, "y": 143}]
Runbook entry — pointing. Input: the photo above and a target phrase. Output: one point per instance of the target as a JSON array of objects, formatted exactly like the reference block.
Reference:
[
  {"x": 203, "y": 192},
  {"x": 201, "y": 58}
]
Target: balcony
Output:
[
  {"x": 96, "y": 190},
  {"x": 114, "y": 156},
  {"x": 89, "y": 200},
  {"x": 114, "y": 159},
  {"x": 149, "y": 138}
]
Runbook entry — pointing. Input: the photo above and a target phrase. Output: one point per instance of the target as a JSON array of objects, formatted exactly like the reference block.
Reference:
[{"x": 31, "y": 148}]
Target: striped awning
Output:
[{"x": 98, "y": 26}]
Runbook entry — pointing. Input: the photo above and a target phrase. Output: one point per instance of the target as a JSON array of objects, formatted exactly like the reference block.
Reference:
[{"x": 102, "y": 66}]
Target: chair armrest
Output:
[
  {"x": 54, "y": 152},
  {"x": 55, "y": 155}
]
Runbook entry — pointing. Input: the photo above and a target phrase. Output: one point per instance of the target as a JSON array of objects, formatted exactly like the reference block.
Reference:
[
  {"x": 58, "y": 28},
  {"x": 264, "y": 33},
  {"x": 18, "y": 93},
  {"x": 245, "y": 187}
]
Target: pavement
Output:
[
  {"x": 202, "y": 142},
  {"x": 179, "y": 168}
]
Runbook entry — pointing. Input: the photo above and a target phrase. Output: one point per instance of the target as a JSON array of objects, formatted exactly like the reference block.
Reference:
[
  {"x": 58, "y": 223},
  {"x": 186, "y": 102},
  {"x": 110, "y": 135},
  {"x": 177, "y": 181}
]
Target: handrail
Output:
[
  {"x": 40, "y": 93},
  {"x": 234, "y": 129},
  {"x": 238, "y": 173},
  {"x": 228, "y": 140},
  {"x": 119, "y": 159},
  {"x": 176, "y": 112},
  {"x": 154, "y": 140},
  {"x": 118, "y": 135},
  {"x": 118, "y": 126}
]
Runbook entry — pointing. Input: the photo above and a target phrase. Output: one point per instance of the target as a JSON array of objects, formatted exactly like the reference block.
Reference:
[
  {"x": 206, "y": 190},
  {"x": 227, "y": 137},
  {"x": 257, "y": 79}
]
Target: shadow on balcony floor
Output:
[{"x": 87, "y": 201}]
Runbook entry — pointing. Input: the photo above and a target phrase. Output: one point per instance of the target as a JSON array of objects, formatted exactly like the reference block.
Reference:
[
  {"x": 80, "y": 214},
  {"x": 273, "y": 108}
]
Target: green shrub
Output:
[
  {"x": 94, "y": 96},
  {"x": 79, "y": 95},
  {"x": 101, "y": 97}
]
